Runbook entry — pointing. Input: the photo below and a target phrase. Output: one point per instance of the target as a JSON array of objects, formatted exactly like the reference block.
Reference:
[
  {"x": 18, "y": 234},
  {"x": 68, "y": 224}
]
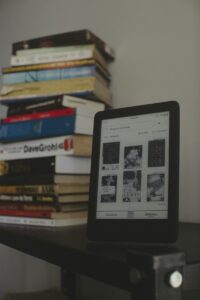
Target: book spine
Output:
[
  {"x": 39, "y": 115},
  {"x": 26, "y": 107},
  {"x": 49, "y": 66},
  {"x": 84, "y": 86},
  {"x": 48, "y": 178},
  {"x": 80, "y": 37},
  {"x": 55, "y": 103},
  {"x": 46, "y": 50},
  {"x": 42, "y": 214},
  {"x": 51, "y": 57},
  {"x": 43, "y": 206},
  {"x": 42, "y": 221},
  {"x": 28, "y": 178},
  {"x": 27, "y": 166},
  {"x": 26, "y": 195},
  {"x": 64, "y": 145},
  {"x": 25, "y": 213},
  {"x": 35, "y": 206},
  {"x": 46, "y": 189},
  {"x": 72, "y": 165},
  {"x": 75, "y": 102},
  {"x": 34, "y": 129},
  {"x": 81, "y": 87},
  {"x": 44, "y": 75}
]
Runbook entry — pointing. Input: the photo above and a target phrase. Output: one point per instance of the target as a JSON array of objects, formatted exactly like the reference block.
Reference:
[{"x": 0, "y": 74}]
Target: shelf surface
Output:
[{"x": 69, "y": 248}]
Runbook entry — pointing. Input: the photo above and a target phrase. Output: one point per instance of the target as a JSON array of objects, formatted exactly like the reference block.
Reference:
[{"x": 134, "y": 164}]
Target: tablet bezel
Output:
[{"x": 137, "y": 230}]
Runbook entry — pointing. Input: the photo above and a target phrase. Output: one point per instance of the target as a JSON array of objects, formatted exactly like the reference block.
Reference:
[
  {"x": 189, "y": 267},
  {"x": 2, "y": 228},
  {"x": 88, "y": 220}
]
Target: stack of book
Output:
[{"x": 52, "y": 90}]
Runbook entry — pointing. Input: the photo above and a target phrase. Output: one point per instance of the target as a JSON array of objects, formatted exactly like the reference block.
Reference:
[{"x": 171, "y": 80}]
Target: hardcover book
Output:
[
  {"x": 42, "y": 178},
  {"x": 40, "y": 115},
  {"x": 46, "y": 127},
  {"x": 51, "y": 113},
  {"x": 78, "y": 37},
  {"x": 48, "y": 167},
  {"x": 55, "y": 102},
  {"x": 78, "y": 145}
]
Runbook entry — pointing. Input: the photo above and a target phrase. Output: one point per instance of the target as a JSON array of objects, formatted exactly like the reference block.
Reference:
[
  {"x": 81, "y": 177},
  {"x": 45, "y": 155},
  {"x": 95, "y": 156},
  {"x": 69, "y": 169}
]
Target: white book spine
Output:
[
  {"x": 84, "y": 124},
  {"x": 25, "y": 52},
  {"x": 74, "y": 164},
  {"x": 51, "y": 57},
  {"x": 76, "y": 102},
  {"x": 37, "y": 148},
  {"x": 42, "y": 221}
]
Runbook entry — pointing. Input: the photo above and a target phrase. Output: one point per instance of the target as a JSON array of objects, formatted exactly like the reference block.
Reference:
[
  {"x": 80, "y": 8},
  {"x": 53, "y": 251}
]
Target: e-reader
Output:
[{"x": 134, "y": 186}]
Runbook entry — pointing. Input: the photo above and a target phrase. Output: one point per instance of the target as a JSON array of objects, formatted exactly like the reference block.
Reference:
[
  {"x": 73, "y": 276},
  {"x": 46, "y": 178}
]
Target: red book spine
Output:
[
  {"x": 26, "y": 213},
  {"x": 40, "y": 115}
]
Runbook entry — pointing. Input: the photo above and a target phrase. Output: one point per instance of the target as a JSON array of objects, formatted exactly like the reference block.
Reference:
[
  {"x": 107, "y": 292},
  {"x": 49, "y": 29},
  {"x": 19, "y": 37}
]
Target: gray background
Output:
[{"x": 157, "y": 48}]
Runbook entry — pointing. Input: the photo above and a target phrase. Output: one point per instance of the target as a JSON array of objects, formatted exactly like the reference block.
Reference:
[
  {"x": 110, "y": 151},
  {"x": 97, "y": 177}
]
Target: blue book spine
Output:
[
  {"x": 28, "y": 130},
  {"x": 51, "y": 74}
]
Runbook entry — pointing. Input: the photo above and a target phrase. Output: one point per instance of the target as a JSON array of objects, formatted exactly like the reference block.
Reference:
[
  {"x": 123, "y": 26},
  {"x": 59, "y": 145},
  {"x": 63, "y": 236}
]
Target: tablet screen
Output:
[{"x": 133, "y": 167}]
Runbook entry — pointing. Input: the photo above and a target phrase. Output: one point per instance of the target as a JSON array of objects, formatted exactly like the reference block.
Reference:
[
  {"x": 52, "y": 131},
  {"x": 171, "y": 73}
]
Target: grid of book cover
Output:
[
  {"x": 52, "y": 90},
  {"x": 133, "y": 173}
]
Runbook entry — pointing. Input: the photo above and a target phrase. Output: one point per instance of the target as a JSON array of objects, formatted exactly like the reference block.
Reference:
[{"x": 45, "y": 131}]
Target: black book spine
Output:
[
  {"x": 36, "y": 106},
  {"x": 79, "y": 37},
  {"x": 30, "y": 199},
  {"x": 27, "y": 179},
  {"x": 23, "y": 167}
]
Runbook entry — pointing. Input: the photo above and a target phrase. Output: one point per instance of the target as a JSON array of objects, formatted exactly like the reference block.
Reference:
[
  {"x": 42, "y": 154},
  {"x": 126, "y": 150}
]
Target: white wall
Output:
[{"x": 157, "y": 48}]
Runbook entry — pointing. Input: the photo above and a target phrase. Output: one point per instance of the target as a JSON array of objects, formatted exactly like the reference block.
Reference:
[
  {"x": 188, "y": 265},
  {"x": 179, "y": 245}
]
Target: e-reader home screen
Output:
[{"x": 133, "y": 167}]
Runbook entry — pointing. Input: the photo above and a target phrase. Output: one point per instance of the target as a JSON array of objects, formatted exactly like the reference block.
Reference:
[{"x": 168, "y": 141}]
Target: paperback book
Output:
[
  {"x": 55, "y": 65},
  {"x": 43, "y": 214},
  {"x": 37, "y": 56},
  {"x": 79, "y": 219},
  {"x": 55, "y": 74},
  {"x": 53, "y": 202},
  {"x": 45, "y": 189},
  {"x": 86, "y": 87}
]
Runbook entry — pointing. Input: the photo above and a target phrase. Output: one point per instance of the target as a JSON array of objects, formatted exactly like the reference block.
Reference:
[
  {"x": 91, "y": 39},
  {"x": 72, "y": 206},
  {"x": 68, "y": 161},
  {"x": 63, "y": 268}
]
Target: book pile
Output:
[{"x": 52, "y": 90}]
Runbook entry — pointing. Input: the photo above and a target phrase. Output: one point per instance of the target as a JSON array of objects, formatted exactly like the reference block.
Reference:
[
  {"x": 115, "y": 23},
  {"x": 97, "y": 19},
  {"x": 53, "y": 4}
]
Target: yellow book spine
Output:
[{"x": 48, "y": 87}]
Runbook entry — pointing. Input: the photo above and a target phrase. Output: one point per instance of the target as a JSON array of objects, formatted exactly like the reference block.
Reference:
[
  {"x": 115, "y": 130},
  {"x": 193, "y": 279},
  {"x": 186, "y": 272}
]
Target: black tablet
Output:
[{"x": 134, "y": 184}]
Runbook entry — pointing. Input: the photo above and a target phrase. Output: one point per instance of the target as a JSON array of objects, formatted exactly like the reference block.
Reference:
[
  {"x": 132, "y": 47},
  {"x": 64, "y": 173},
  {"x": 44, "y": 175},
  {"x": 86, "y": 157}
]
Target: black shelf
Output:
[{"x": 133, "y": 267}]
